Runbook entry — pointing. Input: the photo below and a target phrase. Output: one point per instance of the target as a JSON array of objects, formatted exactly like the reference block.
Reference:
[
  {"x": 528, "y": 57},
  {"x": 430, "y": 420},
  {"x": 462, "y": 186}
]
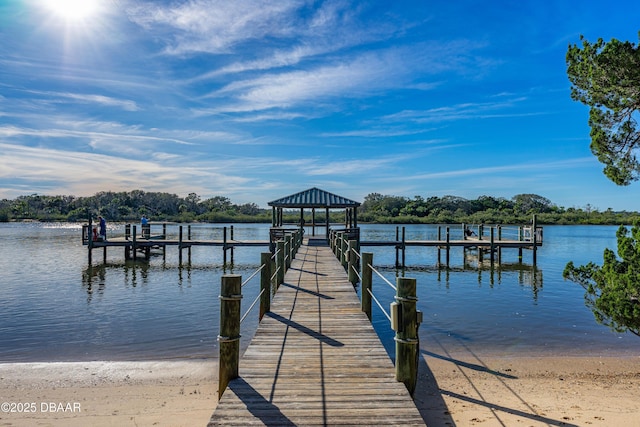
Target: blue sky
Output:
[{"x": 254, "y": 100}]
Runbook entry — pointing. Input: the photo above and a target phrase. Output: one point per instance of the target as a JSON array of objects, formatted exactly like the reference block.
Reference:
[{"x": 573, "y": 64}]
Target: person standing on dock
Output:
[
  {"x": 103, "y": 229},
  {"x": 146, "y": 228}
]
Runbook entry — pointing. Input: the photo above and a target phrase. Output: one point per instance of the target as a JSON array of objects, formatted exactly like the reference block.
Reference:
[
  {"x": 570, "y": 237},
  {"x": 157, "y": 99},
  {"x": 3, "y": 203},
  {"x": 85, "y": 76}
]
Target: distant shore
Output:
[{"x": 465, "y": 390}]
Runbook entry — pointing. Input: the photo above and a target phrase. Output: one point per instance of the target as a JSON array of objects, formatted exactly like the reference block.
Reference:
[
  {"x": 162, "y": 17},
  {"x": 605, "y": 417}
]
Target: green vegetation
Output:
[
  {"x": 483, "y": 210},
  {"x": 606, "y": 77},
  {"x": 613, "y": 289},
  {"x": 130, "y": 206}
]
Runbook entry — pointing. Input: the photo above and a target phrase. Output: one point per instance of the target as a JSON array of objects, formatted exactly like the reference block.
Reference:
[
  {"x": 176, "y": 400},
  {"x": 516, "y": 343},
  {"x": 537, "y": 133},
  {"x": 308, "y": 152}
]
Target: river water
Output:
[{"x": 56, "y": 307}]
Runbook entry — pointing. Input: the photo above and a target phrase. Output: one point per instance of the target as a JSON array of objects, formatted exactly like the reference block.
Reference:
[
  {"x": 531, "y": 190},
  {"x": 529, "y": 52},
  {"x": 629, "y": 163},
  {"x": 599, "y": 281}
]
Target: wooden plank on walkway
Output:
[{"x": 316, "y": 359}]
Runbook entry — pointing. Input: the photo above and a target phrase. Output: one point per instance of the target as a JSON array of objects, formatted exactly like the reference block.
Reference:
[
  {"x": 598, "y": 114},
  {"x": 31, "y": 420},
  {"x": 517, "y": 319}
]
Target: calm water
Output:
[{"x": 53, "y": 306}]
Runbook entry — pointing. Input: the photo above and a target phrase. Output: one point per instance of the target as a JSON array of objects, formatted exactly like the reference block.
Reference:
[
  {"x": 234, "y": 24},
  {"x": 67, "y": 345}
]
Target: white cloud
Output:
[
  {"x": 125, "y": 104},
  {"x": 356, "y": 78},
  {"x": 215, "y": 26},
  {"x": 462, "y": 112},
  {"x": 101, "y": 100},
  {"x": 67, "y": 172},
  {"x": 519, "y": 167},
  {"x": 374, "y": 133}
]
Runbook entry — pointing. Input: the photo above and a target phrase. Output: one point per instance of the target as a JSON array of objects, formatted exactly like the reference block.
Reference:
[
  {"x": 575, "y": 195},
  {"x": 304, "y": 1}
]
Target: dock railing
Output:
[
  {"x": 272, "y": 269},
  {"x": 403, "y": 316}
]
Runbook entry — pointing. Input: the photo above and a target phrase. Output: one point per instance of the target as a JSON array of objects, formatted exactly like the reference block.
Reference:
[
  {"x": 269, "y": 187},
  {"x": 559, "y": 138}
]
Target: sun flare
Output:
[{"x": 73, "y": 10}]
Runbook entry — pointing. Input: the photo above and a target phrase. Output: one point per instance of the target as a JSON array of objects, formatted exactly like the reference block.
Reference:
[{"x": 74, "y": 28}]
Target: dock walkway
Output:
[{"x": 315, "y": 358}]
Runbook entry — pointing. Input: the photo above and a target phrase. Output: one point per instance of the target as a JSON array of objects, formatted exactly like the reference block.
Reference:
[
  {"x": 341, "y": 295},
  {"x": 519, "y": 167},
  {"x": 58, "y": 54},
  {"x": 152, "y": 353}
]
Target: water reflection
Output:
[
  {"x": 159, "y": 308},
  {"x": 93, "y": 280}
]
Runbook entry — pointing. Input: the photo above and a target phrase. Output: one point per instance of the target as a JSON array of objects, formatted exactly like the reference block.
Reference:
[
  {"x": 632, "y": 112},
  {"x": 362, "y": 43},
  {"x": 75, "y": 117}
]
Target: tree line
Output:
[
  {"x": 605, "y": 76},
  {"x": 130, "y": 206},
  {"x": 376, "y": 208}
]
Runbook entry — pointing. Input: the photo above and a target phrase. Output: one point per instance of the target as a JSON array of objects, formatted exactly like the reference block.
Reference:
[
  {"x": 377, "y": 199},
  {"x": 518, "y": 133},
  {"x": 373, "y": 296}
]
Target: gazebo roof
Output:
[{"x": 314, "y": 198}]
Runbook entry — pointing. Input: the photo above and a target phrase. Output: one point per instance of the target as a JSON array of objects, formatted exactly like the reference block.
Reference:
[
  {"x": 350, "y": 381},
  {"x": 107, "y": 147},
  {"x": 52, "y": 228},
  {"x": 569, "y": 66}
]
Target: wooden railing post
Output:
[
  {"x": 294, "y": 243},
  {"x": 351, "y": 264},
  {"x": 407, "y": 343},
  {"x": 287, "y": 250},
  {"x": 292, "y": 252},
  {"x": 367, "y": 281},
  {"x": 280, "y": 265},
  {"x": 344, "y": 245},
  {"x": 229, "y": 338},
  {"x": 265, "y": 283}
]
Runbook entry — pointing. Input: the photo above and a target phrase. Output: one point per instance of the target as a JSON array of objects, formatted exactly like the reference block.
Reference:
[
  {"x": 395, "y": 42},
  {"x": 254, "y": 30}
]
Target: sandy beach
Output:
[
  {"x": 166, "y": 393},
  {"x": 467, "y": 390},
  {"x": 457, "y": 390}
]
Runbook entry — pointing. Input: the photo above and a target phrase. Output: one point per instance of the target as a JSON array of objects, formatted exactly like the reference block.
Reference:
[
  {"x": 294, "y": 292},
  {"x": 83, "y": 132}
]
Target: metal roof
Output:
[{"x": 314, "y": 198}]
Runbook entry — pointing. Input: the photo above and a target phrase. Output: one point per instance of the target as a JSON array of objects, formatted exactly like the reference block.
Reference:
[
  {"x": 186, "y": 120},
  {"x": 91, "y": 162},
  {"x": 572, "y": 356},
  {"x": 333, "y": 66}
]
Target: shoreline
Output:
[
  {"x": 105, "y": 393},
  {"x": 459, "y": 390}
]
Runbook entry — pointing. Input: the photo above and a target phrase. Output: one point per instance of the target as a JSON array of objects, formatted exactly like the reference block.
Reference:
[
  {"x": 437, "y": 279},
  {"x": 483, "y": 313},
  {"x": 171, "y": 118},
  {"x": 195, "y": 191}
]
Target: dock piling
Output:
[
  {"x": 180, "y": 245},
  {"x": 492, "y": 246},
  {"x": 397, "y": 249},
  {"x": 224, "y": 246},
  {"x": 407, "y": 342},
  {"x": 404, "y": 246},
  {"x": 265, "y": 283},
  {"x": 280, "y": 264},
  {"x": 367, "y": 281},
  {"x": 134, "y": 249},
  {"x": 89, "y": 240},
  {"x": 448, "y": 247},
  {"x": 534, "y": 230},
  {"x": 229, "y": 338}
]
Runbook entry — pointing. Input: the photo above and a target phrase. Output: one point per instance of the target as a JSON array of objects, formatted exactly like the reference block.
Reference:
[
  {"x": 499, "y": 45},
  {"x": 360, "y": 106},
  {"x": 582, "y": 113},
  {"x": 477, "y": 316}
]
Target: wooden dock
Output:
[
  {"x": 132, "y": 243},
  {"x": 488, "y": 240},
  {"x": 315, "y": 358}
]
